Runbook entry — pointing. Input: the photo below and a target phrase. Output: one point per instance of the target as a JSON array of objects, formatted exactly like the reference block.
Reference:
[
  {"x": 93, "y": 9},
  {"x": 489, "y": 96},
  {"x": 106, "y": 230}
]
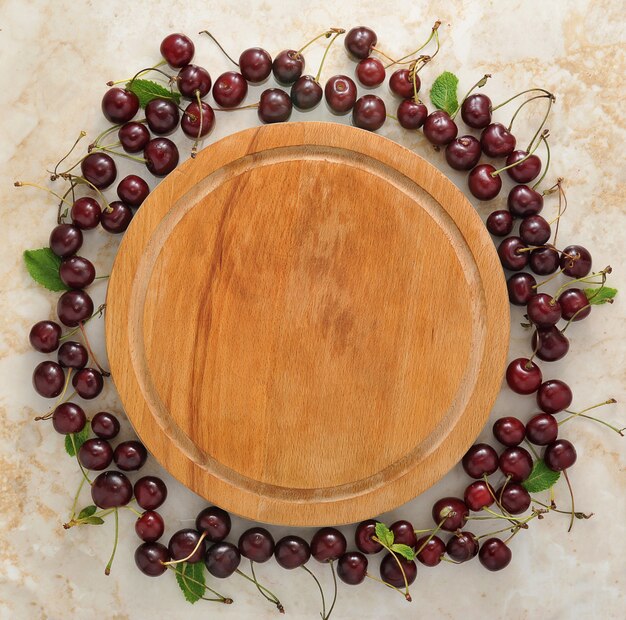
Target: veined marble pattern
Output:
[{"x": 56, "y": 58}]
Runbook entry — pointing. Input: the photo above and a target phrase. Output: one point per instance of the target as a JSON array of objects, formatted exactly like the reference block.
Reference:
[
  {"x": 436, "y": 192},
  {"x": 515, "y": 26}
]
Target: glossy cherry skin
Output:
[
  {"x": 256, "y": 544},
  {"x": 68, "y": 418},
  {"x": 74, "y": 307},
  {"x": 116, "y": 219},
  {"x": 462, "y": 547},
  {"x": 411, "y": 114},
  {"x": 509, "y": 431},
  {"x": 44, "y": 336},
  {"x": 463, "y": 153},
  {"x": 543, "y": 261},
  {"x": 516, "y": 463},
  {"x": 328, "y": 544},
  {"x": 292, "y": 552},
  {"x": 363, "y": 537},
  {"x": 401, "y": 83},
  {"x": 510, "y": 255},
  {"x": 65, "y": 240},
  {"x": 99, "y": 169},
  {"x": 576, "y": 261},
  {"x": 130, "y": 455},
  {"x": 195, "y": 124},
  {"x": 523, "y": 201},
  {"x": 359, "y": 42},
  {"x": 431, "y": 551},
  {"x": 162, "y": 116},
  {"x": 134, "y": 137},
  {"x": 177, "y": 49},
  {"x": 352, "y": 568},
  {"x": 274, "y": 106},
  {"x": 150, "y": 558},
  {"x": 482, "y": 184},
  {"x": 450, "y": 513},
  {"x": 370, "y": 72},
  {"x": 554, "y": 396},
  {"x": 150, "y": 492},
  {"x": 534, "y": 230},
  {"x": 574, "y": 304},
  {"x": 560, "y": 455},
  {"x": 403, "y": 533},
  {"x": 542, "y": 429},
  {"x": 95, "y": 454},
  {"x": 222, "y": 559},
  {"x": 73, "y": 355},
  {"x": 111, "y": 489},
  {"x": 500, "y": 223},
  {"x": 439, "y": 128},
  {"x": 85, "y": 213},
  {"x": 287, "y": 67},
  {"x": 119, "y": 105},
  {"x": 77, "y": 272},
  {"x": 476, "y": 111},
  {"x": 550, "y": 344},
  {"x": 494, "y": 555},
  {"x": 161, "y": 156},
  {"x": 230, "y": 89},
  {"x": 215, "y": 522},
  {"x": 543, "y": 310},
  {"x": 520, "y": 288},
  {"x": 481, "y": 459},
  {"x": 478, "y": 495},
  {"x": 133, "y": 190},
  {"x": 390, "y": 571},
  {"x": 514, "y": 498},
  {"x": 88, "y": 383},
  {"x": 150, "y": 526},
  {"x": 306, "y": 93},
  {"x": 369, "y": 113},
  {"x": 182, "y": 544},
  {"x": 523, "y": 376},
  {"x": 105, "y": 425},
  {"x": 255, "y": 65},
  {"x": 340, "y": 93},
  {"x": 497, "y": 141},
  {"x": 193, "y": 80},
  {"x": 525, "y": 171}
]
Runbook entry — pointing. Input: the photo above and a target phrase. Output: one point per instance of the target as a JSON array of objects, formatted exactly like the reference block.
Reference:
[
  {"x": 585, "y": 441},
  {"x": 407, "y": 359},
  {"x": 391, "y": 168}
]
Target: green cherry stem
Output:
[
  {"x": 174, "y": 562},
  {"x": 406, "y": 592},
  {"x": 105, "y": 373},
  {"x": 571, "y": 494},
  {"x": 75, "y": 503},
  {"x": 330, "y": 43},
  {"x": 582, "y": 414},
  {"x": 543, "y": 138},
  {"x": 218, "y": 45},
  {"x": 519, "y": 109},
  {"x": 45, "y": 189},
  {"x": 547, "y": 166},
  {"x": 587, "y": 279},
  {"x": 524, "y": 92},
  {"x": 578, "y": 515},
  {"x": 59, "y": 400},
  {"x": 97, "y": 313},
  {"x": 551, "y": 100},
  {"x": 319, "y": 586},
  {"x": 80, "y": 465},
  {"x": 81, "y": 135},
  {"x": 388, "y": 585},
  {"x": 270, "y": 596},
  {"x": 532, "y": 449},
  {"x": 107, "y": 570},
  {"x": 142, "y": 72},
  {"x": 107, "y": 149},
  {"x": 479, "y": 84},
  {"x": 82, "y": 181},
  {"x": 332, "y": 606},
  {"x": 433, "y": 34},
  {"x": 327, "y": 33},
  {"x": 430, "y": 537},
  {"x": 187, "y": 578}
]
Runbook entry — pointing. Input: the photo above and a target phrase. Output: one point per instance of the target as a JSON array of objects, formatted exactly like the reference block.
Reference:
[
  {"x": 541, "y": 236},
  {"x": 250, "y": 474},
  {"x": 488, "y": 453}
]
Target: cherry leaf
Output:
[
  {"x": 443, "y": 92},
  {"x": 79, "y": 440},
  {"x": 147, "y": 90},
  {"x": 541, "y": 478},
  {"x": 43, "y": 266},
  {"x": 602, "y": 295},
  {"x": 87, "y": 512},
  {"x": 93, "y": 521},
  {"x": 404, "y": 550},
  {"x": 384, "y": 534},
  {"x": 190, "y": 578}
]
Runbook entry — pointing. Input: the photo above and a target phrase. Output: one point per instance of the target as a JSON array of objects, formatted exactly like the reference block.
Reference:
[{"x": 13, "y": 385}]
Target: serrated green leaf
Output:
[
  {"x": 43, "y": 266},
  {"x": 404, "y": 550},
  {"x": 79, "y": 440},
  {"x": 92, "y": 521},
  {"x": 541, "y": 478},
  {"x": 147, "y": 90},
  {"x": 602, "y": 295},
  {"x": 443, "y": 93},
  {"x": 384, "y": 534},
  {"x": 190, "y": 578},
  {"x": 86, "y": 512}
]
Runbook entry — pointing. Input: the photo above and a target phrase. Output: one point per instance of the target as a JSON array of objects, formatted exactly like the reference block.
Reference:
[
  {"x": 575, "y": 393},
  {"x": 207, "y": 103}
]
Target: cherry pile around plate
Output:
[{"x": 505, "y": 481}]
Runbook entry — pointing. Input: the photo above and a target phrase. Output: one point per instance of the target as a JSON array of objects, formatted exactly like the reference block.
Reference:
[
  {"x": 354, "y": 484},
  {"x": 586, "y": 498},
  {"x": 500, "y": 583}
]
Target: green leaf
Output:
[
  {"x": 86, "y": 512},
  {"x": 147, "y": 90},
  {"x": 384, "y": 534},
  {"x": 602, "y": 295},
  {"x": 443, "y": 92},
  {"x": 190, "y": 578},
  {"x": 541, "y": 478},
  {"x": 43, "y": 267},
  {"x": 79, "y": 440},
  {"x": 93, "y": 521},
  {"x": 404, "y": 550}
]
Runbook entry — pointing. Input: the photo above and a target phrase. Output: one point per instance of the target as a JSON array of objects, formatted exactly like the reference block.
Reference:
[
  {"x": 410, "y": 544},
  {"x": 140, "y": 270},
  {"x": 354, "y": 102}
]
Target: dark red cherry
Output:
[
  {"x": 161, "y": 156},
  {"x": 288, "y": 66},
  {"x": 463, "y": 546},
  {"x": 195, "y": 124},
  {"x": 133, "y": 137},
  {"x": 65, "y": 240},
  {"x": 74, "y": 307},
  {"x": 543, "y": 261},
  {"x": 403, "y": 533},
  {"x": 514, "y": 498},
  {"x": 193, "y": 81},
  {"x": 478, "y": 495},
  {"x": 177, "y": 49},
  {"x": 390, "y": 570},
  {"x": 222, "y": 559},
  {"x": 105, "y": 425},
  {"x": 352, "y": 568},
  {"x": 340, "y": 93},
  {"x": 111, "y": 489},
  {"x": 130, "y": 455},
  {"x": 363, "y": 537},
  {"x": 215, "y": 522},
  {"x": 523, "y": 376},
  {"x": 77, "y": 272},
  {"x": 186, "y": 543},
  {"x": 576, "y": 261},
  {"x": 411, "y": 114},
  {"x": 256, "y": 544},
  {"x": 85, "y": 213},
  {"x": 116, "y": 218},
  {"x": 274, "y": 106},
  {"x": 88, "y": 383},
  {"x": 542, "y": 429},
  {"x": 73, "y": 355},
  {"x": 439, "y": 128},
  {"x": 574, "y": 304},
  {"x": 306, "y": 93},
  {"x": 150, "y": 558},
  {"x": 99, "y": 169},
  {"x": 543, "y": 310},
  {"x": 509, "y": 431},
  {"x": 494, "y": 555},
  {"x": 482, "y": 183},
  {"x": 119, "y": 105},
  {"x": 370, "y": 72},
  {"x": 560, "y": 455},
  {"x": 401, "y": 84},
  {"x": 133, "y": 190},
  {"x": 463, "y": 153},
  {"x": 476, "y": 111},
  {"x": 497, "y": 141},
  {"x": 150, "y": 526},
  {"x": 369, "y": 113},
  {"x": 44, "y": 336},
  {"x": 255, "y": 65},
  {"x": 359, "y": 41},
  {"x": 550, "y": 344},
  {"x": 520, "y": 288},
  {"x": 230, "y": 89},
  {"x": 516, "y": 463},
  {"x": 162, "y": 116},
  {"x": 328, "y": 544},
  {"x": 480, "y": 460},
  {"x": 510, "y": 255},
  {"x": 534, "y": 230},
  {"x": 150, "y": 492},
  {"x": 450, "y": 513},
  {"x": 525, "y": 171},
  {"x": 431, "y": 549},
  {"x": 500, "y": 223},
  {"x": 95, "y": 454},
  {"x": 48, "y": 379},
  {"x": 554, "y": 396},
  {"x": 68, "y": 418},
  {"x": 292, "y": 552},
  {"x": 523, "y": 201}
]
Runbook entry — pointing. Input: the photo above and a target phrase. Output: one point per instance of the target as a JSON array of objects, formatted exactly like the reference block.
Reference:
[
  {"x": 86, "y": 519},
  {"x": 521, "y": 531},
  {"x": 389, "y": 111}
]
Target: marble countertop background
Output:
[{"x": 57, "y": 56}]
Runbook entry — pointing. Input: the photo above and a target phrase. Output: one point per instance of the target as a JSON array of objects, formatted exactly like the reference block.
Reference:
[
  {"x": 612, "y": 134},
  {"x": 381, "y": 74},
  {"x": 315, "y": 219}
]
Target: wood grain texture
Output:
[{"x": 307, "y": 324}]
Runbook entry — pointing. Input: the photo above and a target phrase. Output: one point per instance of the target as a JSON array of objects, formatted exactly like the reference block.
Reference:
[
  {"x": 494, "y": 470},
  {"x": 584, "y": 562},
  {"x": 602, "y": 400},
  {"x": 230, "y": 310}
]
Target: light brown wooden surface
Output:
[{"x": 307, "y": 324}]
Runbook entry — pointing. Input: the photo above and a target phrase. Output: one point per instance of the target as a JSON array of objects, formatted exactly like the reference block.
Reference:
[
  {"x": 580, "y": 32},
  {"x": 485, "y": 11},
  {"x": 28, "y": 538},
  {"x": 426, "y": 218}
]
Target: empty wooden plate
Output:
[{"x": 307, "y": 324}]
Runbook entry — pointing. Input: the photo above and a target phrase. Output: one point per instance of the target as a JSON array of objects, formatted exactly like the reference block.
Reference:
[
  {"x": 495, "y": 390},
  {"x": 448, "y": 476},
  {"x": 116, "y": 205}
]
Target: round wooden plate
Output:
[{"x": 307, "y": 324}]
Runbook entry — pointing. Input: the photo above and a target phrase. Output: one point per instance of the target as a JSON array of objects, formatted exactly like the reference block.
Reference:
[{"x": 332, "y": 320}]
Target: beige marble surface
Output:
[{"x": 57, "y": 56}]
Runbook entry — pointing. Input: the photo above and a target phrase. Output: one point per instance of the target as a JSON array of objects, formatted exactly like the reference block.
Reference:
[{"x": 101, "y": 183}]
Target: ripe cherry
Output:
[
  {"x": 230, "y": 89},
  {"x": 439, "y": 128},
  {"x": 497, "y": 141},
  {"x": 88, "y": 383},
  {"x": 222, "y": 559},
  {"x": 450, "y": 513},
  {"x": 363, "y": 537},
  {"x": 130, "y": 455},
  {"x": 401, "y": 83},
  {"x": 352, "y": 568},
  {"x": 99, "y": 169},
  {"x": 256, "y": 544},
  {"x": 516, "y": 463},
  {"x": 403, "y": 533},
  {"x": 65, "y": 240},
  {"x": 68, "y": 418},
  {"x": 95, "y": 454},
  {"x": 509, "y": 431},
  {"x": 543, "y": 261},
  {"x": 431, "y": 551},
  {"x": 554, "y": 396},
  {"x": 111, "y": 489},
  {"x": 510, "y": 255},
  {"x": 292, "y": 552},
  {"x": 116, "y": 218},
  {"x": 105, "y": 425},
  {"x": 150, "y": 492},
  {"x": 133, "y": 137},
  {"x": 77, "y": 272},
  {"x": 494, "y": 554},
  {"x": 359, "y": 42},
  {"x": 150, "y": 558},
  {"x": 525, "y": 171},
  {"x": 463, "y": 546},
  {"x": 500, "y": 223},
  {"x": 161, "y": 156},
  {"x": 480, "y": 460},
  {"x": 340, "y": 93},
  {"x": 520, "y": 288},
  {"x": 550, "y": 344},
  {"x": 476, "y": 111},
  {"x": 274, "y": 106},
  {"x": 193, "y": 81},
  {"x": 287, "y": 67},
  {"x": 85, "y": 213},
  {"x": 369, "y": 113},
  {"x": 306, "y": 93},
  {"x": 74, "y": 307},
  {"x": 576, "y": 261},
  {"x": 162, "y": 116},
  {"x": 255, "y": 65},
  {"x": 542, "y": 429},
  {"x": 534, "y": 230},
  {"x": 119, "y": 105},
  {"x": 183, "y": 542},
  {"x": 370, "y": 72},
  {"x": 44, "y": 336},
  {"x": 150, "y": 526},
  {"x": 523, "y": 201},
  {"x": 192, "y": 119},
  {"x": 478, "y": 495},
  {"x": 177, "y": 49},
  {"x": 543, "y": 310},
  {"x": 560, "y": 455},
  {"x": 215, "y": 522},
  {"x": 574, "y": 304},
  {"x": 411, "y": 114},
  {"x": 390, "y": 570},
  {"x": 463, "y": 153},
  {"x": 328, "y": 544},
  {"x": 514, "y": 498},
  {"x": 523, "y": 376},
  {"x": 482, "y": 183},
  {"x": 133, "y": 190}
]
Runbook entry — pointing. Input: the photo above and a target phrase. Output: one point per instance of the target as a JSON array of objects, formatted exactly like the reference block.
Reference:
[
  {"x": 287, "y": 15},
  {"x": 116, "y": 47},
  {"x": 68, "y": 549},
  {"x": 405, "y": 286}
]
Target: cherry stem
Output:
[
  {"x": 170, "y": 78},
  {"x": 388, "y": 585},
  {"x": 434, "y": 33},
  {"x": 48, "y": 415},
  {"x": 272, "y": 597},
  {"x": 522, "y": 526},
  {"x": 62, "y": 214},
  {"x": 332, "y": 606},
  {"x": 45, "y": 189},
  {"x": 562, "y": 205},
  {"x": 218, "y": 45},
  {"x": 327, "y": 33},
  {"x": 106, "y": 149},
  {"x": 582, "y": 414},
  {"x": 479, "y": 84},
  {"x": 407, "y": 594},
  {"x": 530, "y": 446},
  {"x": 174, "y": 562},
  {"x": 573, "y": 317},
  {"x": 101, "y": 135},
  {"x": 135, "y": 512},
  {"x": 75, "y": 503},
  {"x": 553, "y": 508},
  {"x": 547, "y": 166},
  {"x": 330, "y": 43},
  {"x": 587, "y": 279},
  {"x": 392, "y": 117},
  {"x": 554, "y": 275},
  {"x": 543, "y": 138},
  {"x": 186, "y": 578},
  {"x": 81, "y": 135},
  {"x": 142, "y": 72},
  {"x": 73, "y": 440},
  {"x": 194, "y": 148},
  {"x": 571, "y": 493},
  {"x": 519, "y": 109},
  {"x": 524, "y": 92},
  {"x": 250, "y": 106},
  {"x": 319, "y": 586},
  {"x": 105, "y": 373},
  {"x": 98, "y": 313},
  {"x": 543, "y": 122},
  {"x": 433, "y": 532},
  {"x": 107, "y": 570},
  {"x": 393, "y": 61},
  {"x": 81, "y": 180}
]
